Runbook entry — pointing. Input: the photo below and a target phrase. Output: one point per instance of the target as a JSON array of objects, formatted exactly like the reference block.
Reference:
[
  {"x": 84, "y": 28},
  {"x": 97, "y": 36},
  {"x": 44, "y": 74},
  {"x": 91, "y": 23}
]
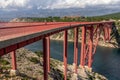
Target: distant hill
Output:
[
  {"x": 8, "y": 15},
  {"x": 113, "y": 16}
]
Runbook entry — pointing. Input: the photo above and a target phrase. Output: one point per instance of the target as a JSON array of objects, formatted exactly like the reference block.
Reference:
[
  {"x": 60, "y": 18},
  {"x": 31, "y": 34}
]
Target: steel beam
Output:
[
  {"x": 82, "y": 61},
  {"x": 105, "y": 33},
  {"x": 45, "y": 62},
  {"x": 48, "y": 53},
  {"x": 109, "y": 32},
  {"x": 13, "y": 56},
  {"x": 65, "y": 54},
  {"x": 90, "y": 55},
  {"x": 75, "y": 48}
]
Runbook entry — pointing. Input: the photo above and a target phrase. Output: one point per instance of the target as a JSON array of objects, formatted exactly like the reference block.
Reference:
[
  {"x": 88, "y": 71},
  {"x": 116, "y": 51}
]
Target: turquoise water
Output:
[{"x": 106, "y": 60}]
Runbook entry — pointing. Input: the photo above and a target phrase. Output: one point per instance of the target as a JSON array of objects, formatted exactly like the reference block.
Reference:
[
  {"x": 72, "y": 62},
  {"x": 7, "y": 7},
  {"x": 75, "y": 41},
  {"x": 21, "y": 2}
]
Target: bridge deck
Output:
[{"x": 12, "y": 33}]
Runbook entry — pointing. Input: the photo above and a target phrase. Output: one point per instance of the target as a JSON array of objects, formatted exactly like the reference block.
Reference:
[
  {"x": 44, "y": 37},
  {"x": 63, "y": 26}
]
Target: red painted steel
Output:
[
  {"x": 90, "y": 55},
  {"x": 13, "y": 56},
  {"x": 65, "y": 54},
  {"x": 8, "y": 32},
  {"x": 2, "y": 52},
  {"x": 82, "y": 60},
  {"x": 89, "y": 42},
  {"x": 48, "y": 52},
  {"x": 45, "y": 59},
  {"x": 109, "y": 29},
  {"x": 10, "y": 48},
  {"x": 88, "y": 46},
  {"x": 75, "y": 48},
  {"x": 97, "y": 33}
]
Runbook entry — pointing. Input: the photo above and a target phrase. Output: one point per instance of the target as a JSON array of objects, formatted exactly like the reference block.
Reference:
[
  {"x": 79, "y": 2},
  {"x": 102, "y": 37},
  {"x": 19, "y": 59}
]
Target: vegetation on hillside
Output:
[
  {"x": 110, "y": 17},
  {"x": 115, "y": 17}
]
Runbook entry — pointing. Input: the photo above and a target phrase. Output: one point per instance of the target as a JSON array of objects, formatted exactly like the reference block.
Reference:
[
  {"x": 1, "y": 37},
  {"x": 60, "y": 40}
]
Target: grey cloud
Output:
[{"x": 56, "y": 4}]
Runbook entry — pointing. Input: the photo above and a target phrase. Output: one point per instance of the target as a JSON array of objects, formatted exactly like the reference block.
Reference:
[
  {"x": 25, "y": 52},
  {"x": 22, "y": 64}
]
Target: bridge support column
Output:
[
  {"x": 45, "y": 58},
  {"x": 13, "y": 55},
  {"x": 65, "y": 54},
  {"x": 75, "y": 49},
  {"x": 82, "y": 56},
  {"x": 105, "y": 33},
  {"x": 90, "y": 55},
  {"x": 14, "y": 66},
  {"x": 48, "y": 52},
  {"x": 108, "y": 32}
]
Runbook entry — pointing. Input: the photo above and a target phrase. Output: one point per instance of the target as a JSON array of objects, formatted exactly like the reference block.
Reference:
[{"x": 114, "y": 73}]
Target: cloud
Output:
[
  {"x": 84, "y": 3},
  {"x": 12, "y": 3},
  {"x": 56, "y": 4}
]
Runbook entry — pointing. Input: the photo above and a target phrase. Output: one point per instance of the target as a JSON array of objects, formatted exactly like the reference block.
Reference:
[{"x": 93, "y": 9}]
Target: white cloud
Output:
[
  {"x": 83, "y": 3},
  {"x": 12, "y": 3},
  {"x": 52, "y": 4}
]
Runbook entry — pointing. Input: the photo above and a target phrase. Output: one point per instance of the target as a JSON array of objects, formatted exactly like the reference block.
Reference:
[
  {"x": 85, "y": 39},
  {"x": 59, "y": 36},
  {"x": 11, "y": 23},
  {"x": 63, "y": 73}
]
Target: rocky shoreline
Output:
[
  {"x": 30, "y": 67},
  {"x": 112, "y": 44}
]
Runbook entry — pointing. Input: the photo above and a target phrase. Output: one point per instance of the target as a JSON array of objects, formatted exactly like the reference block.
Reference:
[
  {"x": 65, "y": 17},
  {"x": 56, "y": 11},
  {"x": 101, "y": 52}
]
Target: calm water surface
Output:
[{"x": 106, "y": 60}]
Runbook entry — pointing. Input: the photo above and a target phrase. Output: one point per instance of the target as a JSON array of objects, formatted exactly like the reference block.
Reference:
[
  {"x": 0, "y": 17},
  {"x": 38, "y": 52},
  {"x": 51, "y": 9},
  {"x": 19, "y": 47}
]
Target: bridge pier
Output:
[
  {"x": 45, "y": 58},
  {"x": 48, "y": 52},
  {"x": 65, "y": 54},
  {"x": 75, "y": 49},
  {"x": 83, "y": 45},
  {"x": 14, "y": 66},
  {"x": 107, "y": 31},
  {"x": 87, "y": 47},
  {"x": 90, "y": 55}
]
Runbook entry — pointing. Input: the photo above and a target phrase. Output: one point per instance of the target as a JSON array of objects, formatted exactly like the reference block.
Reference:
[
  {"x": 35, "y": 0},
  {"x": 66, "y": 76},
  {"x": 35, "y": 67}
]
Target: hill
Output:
[{"x": 113, "y": 16}]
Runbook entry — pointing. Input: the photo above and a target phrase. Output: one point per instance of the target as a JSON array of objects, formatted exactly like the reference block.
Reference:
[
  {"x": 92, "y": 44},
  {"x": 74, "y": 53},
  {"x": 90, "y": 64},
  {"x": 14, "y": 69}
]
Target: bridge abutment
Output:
[{"x": 14, "y": 72}]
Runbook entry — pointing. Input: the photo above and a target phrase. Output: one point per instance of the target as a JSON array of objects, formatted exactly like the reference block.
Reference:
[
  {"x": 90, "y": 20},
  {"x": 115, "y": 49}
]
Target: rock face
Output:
[
  {"x": 30, "y": 67},
  {"x": 20, "y": 20}
]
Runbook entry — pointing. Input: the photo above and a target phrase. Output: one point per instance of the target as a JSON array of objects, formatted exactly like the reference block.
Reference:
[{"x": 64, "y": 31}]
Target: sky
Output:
[{"x": 56, "y": 4}]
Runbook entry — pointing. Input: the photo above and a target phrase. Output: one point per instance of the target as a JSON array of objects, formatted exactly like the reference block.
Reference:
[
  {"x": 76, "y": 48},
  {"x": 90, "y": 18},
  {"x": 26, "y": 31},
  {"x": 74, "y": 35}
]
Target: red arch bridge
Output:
[{"x": 16, "y": 35}]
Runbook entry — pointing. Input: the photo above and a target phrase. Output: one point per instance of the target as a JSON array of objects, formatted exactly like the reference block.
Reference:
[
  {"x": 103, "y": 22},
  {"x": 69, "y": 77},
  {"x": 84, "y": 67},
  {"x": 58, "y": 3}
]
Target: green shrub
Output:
[
  {"x": 34, "y": 60},
  {"x": 4, "y": 62},
  {"x": 39, "y": 53}
]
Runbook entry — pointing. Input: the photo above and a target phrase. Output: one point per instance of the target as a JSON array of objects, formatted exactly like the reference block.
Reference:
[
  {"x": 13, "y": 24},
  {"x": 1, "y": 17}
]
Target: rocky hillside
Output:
[{"x": 30, "y": 67}]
